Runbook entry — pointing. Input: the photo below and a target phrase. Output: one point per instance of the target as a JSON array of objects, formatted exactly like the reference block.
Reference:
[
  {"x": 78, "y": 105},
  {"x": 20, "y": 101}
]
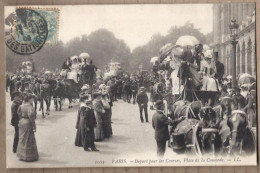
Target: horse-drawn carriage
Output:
[{"x": 210, "y": 126}]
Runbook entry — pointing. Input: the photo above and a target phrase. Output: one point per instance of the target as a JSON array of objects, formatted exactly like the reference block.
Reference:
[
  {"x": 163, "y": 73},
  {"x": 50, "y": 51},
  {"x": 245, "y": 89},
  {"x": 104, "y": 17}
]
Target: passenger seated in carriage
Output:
[
  {"x": 208, "y": 71},
  {"x": 66, "y": 67}
]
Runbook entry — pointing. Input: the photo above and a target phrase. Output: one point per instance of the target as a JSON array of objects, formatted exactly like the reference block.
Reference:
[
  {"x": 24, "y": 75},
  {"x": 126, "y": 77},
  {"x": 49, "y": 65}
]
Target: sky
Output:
[{"x": 135, "y": 24}]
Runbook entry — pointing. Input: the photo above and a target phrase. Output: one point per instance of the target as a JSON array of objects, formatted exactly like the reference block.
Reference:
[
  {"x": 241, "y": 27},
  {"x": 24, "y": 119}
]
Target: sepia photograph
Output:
[{"x": 131, "y": 85}]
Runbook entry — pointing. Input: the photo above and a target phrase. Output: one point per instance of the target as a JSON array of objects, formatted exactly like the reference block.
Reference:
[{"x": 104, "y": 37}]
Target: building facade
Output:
[{"x": 244, "y": 13}]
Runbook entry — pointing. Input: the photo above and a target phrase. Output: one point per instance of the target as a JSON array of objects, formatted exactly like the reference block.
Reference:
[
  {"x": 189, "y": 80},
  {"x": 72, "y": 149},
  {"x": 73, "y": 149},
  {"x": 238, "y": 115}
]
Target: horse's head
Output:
[
  {"x": 237, "y": 123},
  {"x": 53, "y": 83}
]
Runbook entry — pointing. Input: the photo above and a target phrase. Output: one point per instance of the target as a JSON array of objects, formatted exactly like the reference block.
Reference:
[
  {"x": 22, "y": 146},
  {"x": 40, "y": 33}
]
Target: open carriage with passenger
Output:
[{"x": 214, "y": 123}]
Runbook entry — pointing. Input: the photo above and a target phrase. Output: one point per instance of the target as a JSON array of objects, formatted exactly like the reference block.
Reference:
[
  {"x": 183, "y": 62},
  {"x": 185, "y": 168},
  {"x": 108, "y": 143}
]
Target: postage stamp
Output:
[{"x": 31, "y": 28}]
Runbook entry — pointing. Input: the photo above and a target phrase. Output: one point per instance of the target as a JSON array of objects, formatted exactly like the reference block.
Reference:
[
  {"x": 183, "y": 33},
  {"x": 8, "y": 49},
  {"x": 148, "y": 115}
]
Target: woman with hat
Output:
[
  {"x": 85, "y": 124},
  {"x": 99, "y": 112},
  {"x": 207, "y": 65},
  {"x": 106, "y": 118},
  {"x": 160, "y": 124},
  {"x": 27, "y": 147}
]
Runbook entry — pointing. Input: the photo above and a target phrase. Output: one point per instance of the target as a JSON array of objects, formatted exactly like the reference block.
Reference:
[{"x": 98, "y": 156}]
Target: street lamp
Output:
[{"x": 233, "y": 35}]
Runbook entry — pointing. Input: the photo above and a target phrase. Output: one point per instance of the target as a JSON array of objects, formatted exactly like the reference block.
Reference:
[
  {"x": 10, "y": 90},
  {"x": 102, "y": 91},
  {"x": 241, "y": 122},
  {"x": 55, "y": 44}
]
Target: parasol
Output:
[
  {"x": 187, "y": 40},
  {"x": 246, "y": 79},
  {"x": 84, "y": 55},
  {"x": 166, "y": 50},
  {"x": 48, "y": 72}
]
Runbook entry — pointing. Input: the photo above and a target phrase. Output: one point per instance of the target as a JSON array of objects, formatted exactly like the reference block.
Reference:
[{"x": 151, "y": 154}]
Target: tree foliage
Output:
[
  {"x": 103, "y": 46},
  {"x": 143, "y": 54}
]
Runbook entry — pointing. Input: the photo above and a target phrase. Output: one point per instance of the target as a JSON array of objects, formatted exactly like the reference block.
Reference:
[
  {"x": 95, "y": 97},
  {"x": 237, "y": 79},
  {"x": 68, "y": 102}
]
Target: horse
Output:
[
  {"x": 200, "y": 127},
  {"x": 65, "y": 88},
  {"x": 44, "y": 94},
  {"x": 236, "y": 136},
  {"x": 242, "y": 139}
]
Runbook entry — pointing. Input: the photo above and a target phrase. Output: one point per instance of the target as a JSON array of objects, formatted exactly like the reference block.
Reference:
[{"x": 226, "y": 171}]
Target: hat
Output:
[
  {"x": 208, "y": 54},
  {"x": 215, "y": 54},
  {"x": 142, "y": 88},
  {"x": 16, "y": 93},
  {"x": 47, "y": 72},
  {"x": 97, "y": 93},
  {"x": 238, "y": 112},
  {"x": 83, "y": 96},
  {"x": 198, "y": 48},
  {"x": 236, "y": 88},
  {"x": 158, "y": 104},
  {"x": 14, "y": 77},
  {"x": 30, "y": 95},
  {"x": 104, "y": 92},
  {"x": 102, "y": 86},
  {"x": 245, "y": 86},
  {"x": 85, "y": 87},
  {"x": 74, "y": 58}
]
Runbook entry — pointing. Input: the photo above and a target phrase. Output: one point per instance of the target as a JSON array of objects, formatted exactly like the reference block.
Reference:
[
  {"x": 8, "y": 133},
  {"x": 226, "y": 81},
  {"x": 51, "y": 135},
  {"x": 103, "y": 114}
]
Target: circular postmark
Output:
[{"x": 27, "y": 31}]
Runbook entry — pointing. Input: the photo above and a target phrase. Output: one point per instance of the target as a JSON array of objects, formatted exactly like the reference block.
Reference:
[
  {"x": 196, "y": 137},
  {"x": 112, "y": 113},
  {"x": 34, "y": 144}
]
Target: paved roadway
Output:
[{"x": 56, "y": 134}]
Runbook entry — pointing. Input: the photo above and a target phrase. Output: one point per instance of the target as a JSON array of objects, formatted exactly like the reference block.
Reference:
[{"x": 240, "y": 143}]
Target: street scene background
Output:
[{"x": 145, "y": 64}]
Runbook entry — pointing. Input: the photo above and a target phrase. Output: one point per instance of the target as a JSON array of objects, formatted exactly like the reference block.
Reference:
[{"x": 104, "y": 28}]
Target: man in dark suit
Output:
[
  {"x": 160, "y": 124},
  {"x": 219, "y": 68},
  {"x": 17, "y": 100},
  {"x": 142, "y": 101}
]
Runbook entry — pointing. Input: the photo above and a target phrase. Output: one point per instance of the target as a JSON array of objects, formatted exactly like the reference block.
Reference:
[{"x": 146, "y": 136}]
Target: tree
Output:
[{"x": 143, "y": 54}]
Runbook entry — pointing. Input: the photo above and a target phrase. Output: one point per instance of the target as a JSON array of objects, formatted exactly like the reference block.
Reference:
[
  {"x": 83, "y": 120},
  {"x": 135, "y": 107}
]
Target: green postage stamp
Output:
[{"x": 29, "y": 29}]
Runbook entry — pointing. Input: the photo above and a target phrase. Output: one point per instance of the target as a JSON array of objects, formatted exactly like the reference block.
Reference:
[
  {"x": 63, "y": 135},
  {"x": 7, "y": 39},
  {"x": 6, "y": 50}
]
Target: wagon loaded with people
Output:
[{"x": 214, "y": 123}]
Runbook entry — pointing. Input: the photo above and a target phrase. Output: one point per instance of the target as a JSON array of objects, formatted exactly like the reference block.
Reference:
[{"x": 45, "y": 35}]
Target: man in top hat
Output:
[
  {"x": 17, "y": 101},
  {"x": 197, "y": 54},
  {"x": 160, "y": 124},
  {"x": 219, "y": 68},
  {"x": 142, "y": 100}
]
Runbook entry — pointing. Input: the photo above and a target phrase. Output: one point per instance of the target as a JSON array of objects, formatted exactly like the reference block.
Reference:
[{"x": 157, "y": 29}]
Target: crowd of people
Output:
[
  {"x": 194, "y": 69},
  {"x": 185, "y": 70}
]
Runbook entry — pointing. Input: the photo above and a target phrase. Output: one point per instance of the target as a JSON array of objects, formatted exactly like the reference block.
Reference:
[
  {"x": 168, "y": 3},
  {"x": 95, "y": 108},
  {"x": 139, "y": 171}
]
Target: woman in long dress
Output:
[
  {"x": 99, "y": 111},
  {"x": 106, "y": 118},
  {"x": 27, "y": 147}
]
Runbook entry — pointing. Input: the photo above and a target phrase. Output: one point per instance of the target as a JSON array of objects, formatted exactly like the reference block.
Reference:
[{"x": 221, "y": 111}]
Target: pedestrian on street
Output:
[
  {"x": 17, "y": 101},
  {"x": 81, "y": 120},
  {"x": 142, "y": 100},
  {"x": 99, "y": 112},
  {"x": 106, "y": 118},
  {"x": 160, "y": 124},
  {"x": 27, "y": 147},
  {"x": 134, "y": 89},
  {"x": 85, "y": 124}
]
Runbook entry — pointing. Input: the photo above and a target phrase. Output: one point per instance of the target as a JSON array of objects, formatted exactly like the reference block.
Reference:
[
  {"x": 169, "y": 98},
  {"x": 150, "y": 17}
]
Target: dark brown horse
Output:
[{"x": 66, "y": 88}]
